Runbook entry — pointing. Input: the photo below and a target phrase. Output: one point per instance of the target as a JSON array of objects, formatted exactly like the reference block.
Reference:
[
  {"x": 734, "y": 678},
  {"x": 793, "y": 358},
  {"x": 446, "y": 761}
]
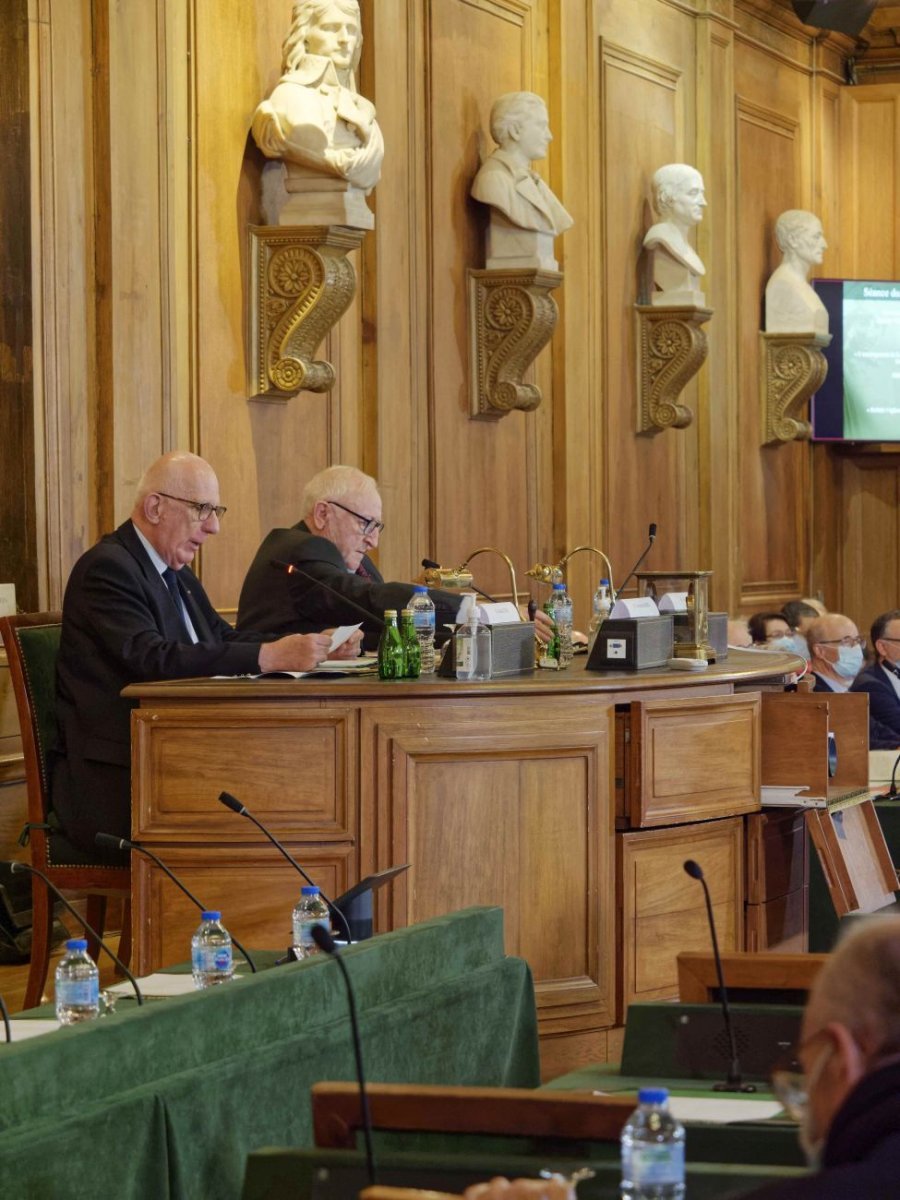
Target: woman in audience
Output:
[{"x": 770, "y": 631}]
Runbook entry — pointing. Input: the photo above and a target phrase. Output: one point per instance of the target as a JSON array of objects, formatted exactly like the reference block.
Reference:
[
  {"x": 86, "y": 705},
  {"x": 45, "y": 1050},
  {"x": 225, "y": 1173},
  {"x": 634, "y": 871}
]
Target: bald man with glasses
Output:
[
  {"x": 835, "y": 652},
  {"x": 881, "y": 682},
  {"x": 341, "y": 525}
]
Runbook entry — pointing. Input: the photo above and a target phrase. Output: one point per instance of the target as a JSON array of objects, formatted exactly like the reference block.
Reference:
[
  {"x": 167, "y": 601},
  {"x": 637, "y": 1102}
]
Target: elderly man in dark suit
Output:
[
  {"x": 881, "y": 681},
  {"x": 134, "y": 611}
]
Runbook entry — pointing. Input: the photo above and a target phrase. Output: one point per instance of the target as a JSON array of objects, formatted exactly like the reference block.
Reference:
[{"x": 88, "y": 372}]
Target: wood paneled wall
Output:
[{"x": 146, "y": 180}]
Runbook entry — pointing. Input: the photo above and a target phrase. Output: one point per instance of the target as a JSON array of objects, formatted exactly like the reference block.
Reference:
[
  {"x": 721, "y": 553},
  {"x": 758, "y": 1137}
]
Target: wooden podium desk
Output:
[{"x": 503, "y": 792}]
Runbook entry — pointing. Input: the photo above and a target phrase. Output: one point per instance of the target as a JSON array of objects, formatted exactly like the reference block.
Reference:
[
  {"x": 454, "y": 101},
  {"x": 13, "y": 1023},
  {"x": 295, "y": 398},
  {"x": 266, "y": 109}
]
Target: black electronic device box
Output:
[{"x": 633, "y": 643}]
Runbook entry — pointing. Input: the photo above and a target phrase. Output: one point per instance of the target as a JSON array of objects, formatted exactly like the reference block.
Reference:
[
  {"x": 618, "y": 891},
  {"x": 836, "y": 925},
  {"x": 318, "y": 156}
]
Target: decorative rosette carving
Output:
[
  {"x": 672, "y": 347},
  {"x": 792, "y": 368}
]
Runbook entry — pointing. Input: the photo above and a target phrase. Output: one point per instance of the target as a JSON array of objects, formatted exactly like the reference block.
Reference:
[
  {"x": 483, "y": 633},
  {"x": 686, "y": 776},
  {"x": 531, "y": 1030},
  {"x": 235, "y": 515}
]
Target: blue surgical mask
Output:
[
  {"x": 785, "y": 643},
  {"x": 849, "y": 662},
  {"x": 799, "y": 646}
]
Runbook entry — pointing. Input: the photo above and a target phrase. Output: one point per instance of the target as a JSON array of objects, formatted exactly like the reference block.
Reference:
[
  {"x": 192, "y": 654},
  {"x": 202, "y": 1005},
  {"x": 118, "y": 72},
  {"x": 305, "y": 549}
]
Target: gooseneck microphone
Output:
[
  {"x": 651, "y": 538},
  {"x": 325, "y": 941},
  {"x": 4, "y": 1012},
  {"x": 107, "y": 839},
  {"x": 430, "y": 564},
  {"x": 21, "y": 866},
  {"x": 734, "y": 1079},
  {"x": 235, "y": 805},
  {"x": 293, "y": 569}
]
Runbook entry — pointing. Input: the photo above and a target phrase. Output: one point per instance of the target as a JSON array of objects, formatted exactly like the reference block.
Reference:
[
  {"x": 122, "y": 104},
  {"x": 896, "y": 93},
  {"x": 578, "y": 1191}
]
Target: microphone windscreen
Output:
[
  {"x": 107, "y": 839},
  {"x": 231, "y": 802},
  {"x": 652, "y": 530},
  {"x": 15, "y": 867},
  {"x": 693, "y": 869},
  {"x": 323, "y": 939},
  {"x": 429, "y": 562}
]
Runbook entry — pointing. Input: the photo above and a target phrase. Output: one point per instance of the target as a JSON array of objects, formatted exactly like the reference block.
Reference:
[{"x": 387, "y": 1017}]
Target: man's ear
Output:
[
  {"x": 850, "y": 1056},
  {"x": 150, "y": 507},
  {"x": 319, "y": 515}
]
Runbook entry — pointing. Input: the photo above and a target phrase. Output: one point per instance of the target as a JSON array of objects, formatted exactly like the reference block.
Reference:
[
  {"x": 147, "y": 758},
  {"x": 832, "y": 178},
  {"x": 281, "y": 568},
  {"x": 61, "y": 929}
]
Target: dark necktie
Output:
[
  {"x": 363, "y": 573},
  {"x": 170, "y": 578}
]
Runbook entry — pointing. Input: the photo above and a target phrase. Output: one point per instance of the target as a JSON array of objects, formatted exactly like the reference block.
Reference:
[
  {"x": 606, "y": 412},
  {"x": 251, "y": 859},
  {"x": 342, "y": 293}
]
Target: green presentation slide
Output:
[{"x": 871, "y": 362}]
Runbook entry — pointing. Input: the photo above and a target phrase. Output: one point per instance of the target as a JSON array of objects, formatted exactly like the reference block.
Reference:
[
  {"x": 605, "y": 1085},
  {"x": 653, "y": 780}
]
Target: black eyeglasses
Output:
[
  {"x": 203, "y": 510},
  {"x": 368, "y": 524}
]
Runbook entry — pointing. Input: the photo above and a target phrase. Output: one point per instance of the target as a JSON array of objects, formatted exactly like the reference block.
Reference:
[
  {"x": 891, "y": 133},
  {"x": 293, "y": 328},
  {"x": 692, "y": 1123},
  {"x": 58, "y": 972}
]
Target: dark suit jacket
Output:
[
  {"x": 884, "y": 707},
  {"x": 120, "y": 626},
  {"x": 274, "y": 602}
]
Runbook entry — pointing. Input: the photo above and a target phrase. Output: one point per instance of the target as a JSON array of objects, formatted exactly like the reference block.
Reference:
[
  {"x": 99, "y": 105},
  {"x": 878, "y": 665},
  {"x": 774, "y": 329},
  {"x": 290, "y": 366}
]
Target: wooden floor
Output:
[{"x": 13, "y": 979}]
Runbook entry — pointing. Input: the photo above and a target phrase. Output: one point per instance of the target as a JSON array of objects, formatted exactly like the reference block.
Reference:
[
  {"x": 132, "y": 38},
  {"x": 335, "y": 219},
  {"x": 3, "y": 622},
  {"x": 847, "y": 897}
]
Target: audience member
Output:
[
  {"x": 814, "y": 603},
  {"x": 881, "y": 681},
  {"x": 835, "y": 652},
  {"x": 770, "y": 631},
  {"x": 134, "y": 611},
  {"x": 799, "y": 615},
  {"x": 847, "y": 1098}
]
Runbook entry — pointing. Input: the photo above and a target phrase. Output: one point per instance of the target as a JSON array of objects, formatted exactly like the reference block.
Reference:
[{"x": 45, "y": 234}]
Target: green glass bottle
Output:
[
  {"x": 391, "y": 659},
  {"x": 411, "y": 648},
  {"x": 549, "y": 655}
]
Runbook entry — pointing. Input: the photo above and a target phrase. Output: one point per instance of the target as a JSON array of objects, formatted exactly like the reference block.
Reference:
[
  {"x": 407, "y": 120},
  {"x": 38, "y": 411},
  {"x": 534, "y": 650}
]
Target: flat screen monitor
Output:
[{"x": 860, "y": 398}]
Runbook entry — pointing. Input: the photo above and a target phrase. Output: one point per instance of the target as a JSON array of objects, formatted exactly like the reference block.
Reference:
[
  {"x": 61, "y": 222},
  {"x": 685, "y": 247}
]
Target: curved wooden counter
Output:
[{"x": 507, "y": 792}]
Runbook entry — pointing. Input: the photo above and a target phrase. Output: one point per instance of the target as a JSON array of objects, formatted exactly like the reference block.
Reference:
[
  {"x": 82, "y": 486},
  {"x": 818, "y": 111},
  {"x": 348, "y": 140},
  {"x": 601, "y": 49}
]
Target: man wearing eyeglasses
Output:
[
  {"x": 846, "y": 1093},
  {"x": 881, "y": 681},
  {"x": 341, "y": 524},
  {"x": 134, "y": 611},
  {"x": 836, "y": 652}
]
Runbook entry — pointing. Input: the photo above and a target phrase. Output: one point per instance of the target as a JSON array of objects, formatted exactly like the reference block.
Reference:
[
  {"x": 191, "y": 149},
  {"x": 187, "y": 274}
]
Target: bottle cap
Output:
[
  {"x": 653, "y": 1095},
  {"x": 309, "y": 891},
  {"x": 419, "y": 587},
  {"x": 211, "y": 915},
  {"x": 604, "y": 583},
  {"x": 559, "y": 587},
  {"x": 406, "y": 612},
  {"x": 389, "y": 612},
  {"x": 76, "y": 944}
]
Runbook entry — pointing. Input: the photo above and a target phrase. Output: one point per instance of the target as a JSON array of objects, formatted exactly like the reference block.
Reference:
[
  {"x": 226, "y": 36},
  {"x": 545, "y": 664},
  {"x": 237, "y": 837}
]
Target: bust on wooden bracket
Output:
[
  {"x": 671, "y": 343},
  {"x": 511, "y": 312},
  {"x": 792, "y": 365},
  {"x": 326, "y": 135}
]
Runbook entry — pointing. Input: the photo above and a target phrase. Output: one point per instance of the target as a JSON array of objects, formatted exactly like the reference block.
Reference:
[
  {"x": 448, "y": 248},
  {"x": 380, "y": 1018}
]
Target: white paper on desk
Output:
[
  {"x": 341, "y": 634},
  {"x": 639, "y": 606},
  {"x": 722, "y": 1110},
  {"x": 157, "y": 987},
  {"x": 789, "y": 796},
  {"x": 22, "y": 1030},
  {"x": 502, "y": 612},
  {"x": 348, "y": 666},
  {"x": 674, "y": 602}
]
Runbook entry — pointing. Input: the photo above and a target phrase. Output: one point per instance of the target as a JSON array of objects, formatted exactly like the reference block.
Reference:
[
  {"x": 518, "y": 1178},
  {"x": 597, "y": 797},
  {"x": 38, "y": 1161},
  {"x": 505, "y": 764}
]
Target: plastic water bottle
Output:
[
  {"x": 77, "y": 985},
  {"x": 602, "y": 607},
  {"x": 652, "y": 1144},
  {"x": 211, "y": 960},
  {"x": 421, "y": 606},
  {"x": 473, "y": 642},
  {"x": 310, "y": 910},
  {"x": 562, "y": 613}
]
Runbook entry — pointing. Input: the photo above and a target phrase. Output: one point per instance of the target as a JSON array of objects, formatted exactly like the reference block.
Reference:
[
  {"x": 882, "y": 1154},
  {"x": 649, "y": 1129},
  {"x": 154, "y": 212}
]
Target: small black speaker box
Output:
[
  {"x": 633, "y": 643},
  {"x": 844, "y": 16}
]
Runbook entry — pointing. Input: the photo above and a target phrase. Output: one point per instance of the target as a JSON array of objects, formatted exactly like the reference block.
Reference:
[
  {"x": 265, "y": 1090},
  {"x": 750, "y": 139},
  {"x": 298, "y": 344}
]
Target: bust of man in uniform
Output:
[
  {"x": 317, "y": 122},
  {"x": 679, "y": 200},
  {"x": 525, "y": 214},
  {"x": 792, "y": 306}
]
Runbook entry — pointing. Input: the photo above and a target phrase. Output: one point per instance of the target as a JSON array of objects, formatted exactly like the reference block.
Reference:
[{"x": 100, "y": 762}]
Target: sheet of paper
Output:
[
  {"x": 22, "y": 1030},
  {"x": 348, "y": 666},
  {"x": 500, "y": 613},
  {"x": 157, "y": 986},
  {"x": 723, "y": 1110},
  {"x": 638, "y": 606},
  {"x": 341, "y": 634}
]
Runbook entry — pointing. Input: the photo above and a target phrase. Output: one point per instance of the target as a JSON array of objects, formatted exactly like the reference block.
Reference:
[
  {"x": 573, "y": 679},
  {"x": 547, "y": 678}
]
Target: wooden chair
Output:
[
  {"x": 32, "y": 644},
  {"x": 427, "y": 1108}
]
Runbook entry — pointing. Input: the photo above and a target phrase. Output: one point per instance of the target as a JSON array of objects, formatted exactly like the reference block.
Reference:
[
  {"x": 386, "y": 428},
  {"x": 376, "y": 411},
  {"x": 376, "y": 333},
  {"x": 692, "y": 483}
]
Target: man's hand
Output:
[
  {"x": 543, "y": 627},
  {"x": 352, "y": 648},
  {"x": 296, "y": 652}
]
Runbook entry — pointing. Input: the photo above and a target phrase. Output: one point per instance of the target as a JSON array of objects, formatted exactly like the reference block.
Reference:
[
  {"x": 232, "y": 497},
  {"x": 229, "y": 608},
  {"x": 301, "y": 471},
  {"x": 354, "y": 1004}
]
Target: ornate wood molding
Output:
[
  {"x": 302, "y": 284},
  {"x": 671, "y": 350},
  {"x": 792, "y": 367},
  {"x": 511, "y": 318}
]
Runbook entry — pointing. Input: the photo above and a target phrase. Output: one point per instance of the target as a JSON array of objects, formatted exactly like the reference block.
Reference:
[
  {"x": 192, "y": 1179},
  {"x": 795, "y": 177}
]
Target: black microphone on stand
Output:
[
  {"x": 21, "y": 866},
  {"x": 107, "y": 839},
  {"x": 293, "y": 569},
  {"x": 325, "y": 941},
  {"x": 651, "y": 534},
  {"x": 4, "y": 1012},
  {"x": 734, "y": 1079},
  {"x": 235, "y": 805}
]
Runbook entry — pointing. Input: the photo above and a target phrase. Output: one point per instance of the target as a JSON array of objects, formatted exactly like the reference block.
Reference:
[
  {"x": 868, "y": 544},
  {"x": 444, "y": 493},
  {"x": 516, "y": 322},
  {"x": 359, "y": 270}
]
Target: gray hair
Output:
[
  {"x": 510, "y": 108},
  {"x": 859, "y": 986},
  {"x": 305, "y": 16},
  {"x": 789, "y": 224},
  {"x": 668, "y": 182},
  {"x": 334, "y": 483}
]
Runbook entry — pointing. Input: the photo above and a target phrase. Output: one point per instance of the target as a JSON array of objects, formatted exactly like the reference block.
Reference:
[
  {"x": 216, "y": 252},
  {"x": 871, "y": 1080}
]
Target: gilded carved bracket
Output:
[
  {"x": 511, "y": 318},
  {"x": 671, "y": 350},
  {"x": 792, "y": 368},
  {"x": 301, "y": 284}
]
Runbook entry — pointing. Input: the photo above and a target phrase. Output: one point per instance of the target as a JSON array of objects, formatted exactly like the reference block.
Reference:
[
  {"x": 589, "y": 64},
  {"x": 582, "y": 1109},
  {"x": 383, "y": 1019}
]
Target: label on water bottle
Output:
[
  {"x": 657, "y": 1165},
  {"x": 208, "y": 960},
  {"x": 78, "y": 993},
  {"x": 423, "y": 620},
  {"x": 465, "y": 655},
  {"x": 303, "y": 933}
]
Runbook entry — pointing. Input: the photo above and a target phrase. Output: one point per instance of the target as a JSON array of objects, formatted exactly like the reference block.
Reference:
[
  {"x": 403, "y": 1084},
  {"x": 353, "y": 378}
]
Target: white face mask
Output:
[{"x": 849, "y": 662}]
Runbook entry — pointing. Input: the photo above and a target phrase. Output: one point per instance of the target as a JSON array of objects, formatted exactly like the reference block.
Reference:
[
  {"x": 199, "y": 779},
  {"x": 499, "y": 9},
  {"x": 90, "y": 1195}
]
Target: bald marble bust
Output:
[
  {"x": 679, "y": 199},
  {"x": 792, "y": 306}
]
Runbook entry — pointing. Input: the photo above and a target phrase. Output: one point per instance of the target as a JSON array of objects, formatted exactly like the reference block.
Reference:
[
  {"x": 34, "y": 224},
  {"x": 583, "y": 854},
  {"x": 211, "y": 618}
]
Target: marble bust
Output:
[
  {"x": 525, "y": 214},
  {"x": 791, "y": 304},
  {"x": 317, "y": 123},
  {"x": 679, "y": 200}
]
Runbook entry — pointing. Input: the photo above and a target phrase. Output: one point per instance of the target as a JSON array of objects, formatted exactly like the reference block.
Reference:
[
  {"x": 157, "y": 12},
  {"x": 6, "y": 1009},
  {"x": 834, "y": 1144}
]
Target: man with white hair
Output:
[
  {"x": 134, "y": 611},
  {"x": 847, "y": 1094}
]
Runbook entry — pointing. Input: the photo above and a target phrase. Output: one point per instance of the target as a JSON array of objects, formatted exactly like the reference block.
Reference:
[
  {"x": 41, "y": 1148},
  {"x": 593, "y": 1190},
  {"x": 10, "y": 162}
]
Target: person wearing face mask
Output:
[
  {"x": 800, "y": 615},
  {"x": 770, "y": 631},
  {"x": 881, "y": 681},
  {"x": 835, "y": 652},
  {"x": 847, "y": 1095}
]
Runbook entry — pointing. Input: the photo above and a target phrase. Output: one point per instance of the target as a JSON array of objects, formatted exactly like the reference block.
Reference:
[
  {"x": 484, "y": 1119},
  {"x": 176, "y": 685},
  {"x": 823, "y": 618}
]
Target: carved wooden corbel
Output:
[
  {"x": 511, "y": 318},
  {"x": 671, "y": 350},
  {"x": 301, "y": 285},
  {"x": 792, "y": 368}
]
